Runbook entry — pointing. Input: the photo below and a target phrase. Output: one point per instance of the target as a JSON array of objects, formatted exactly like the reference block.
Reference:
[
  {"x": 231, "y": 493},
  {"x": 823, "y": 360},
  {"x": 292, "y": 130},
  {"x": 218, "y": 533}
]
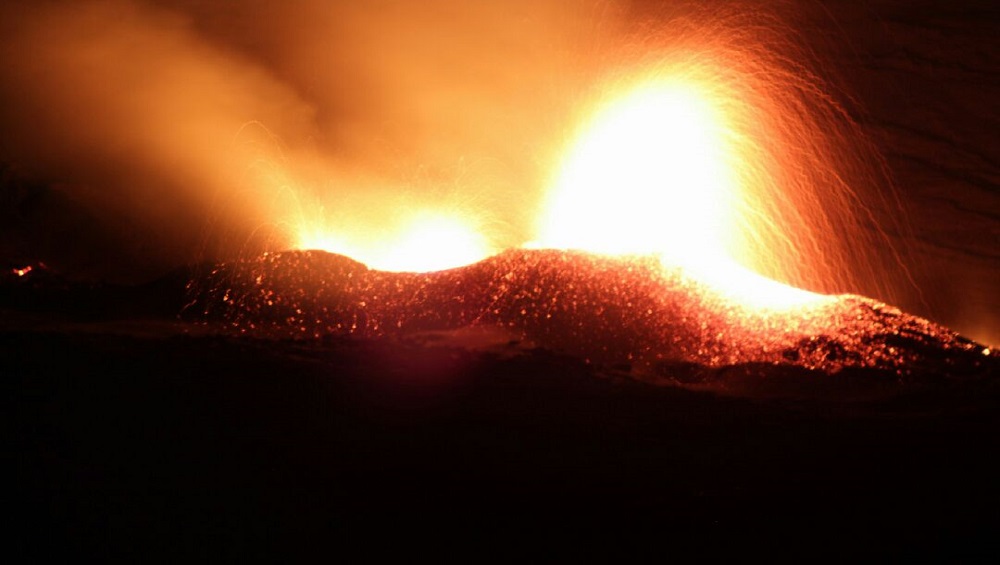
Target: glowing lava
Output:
[
  {"x": 646, "y": 178},
  {"x": 426, "y": 242},
  {"x": 713, "y": 148},
  {"x": 651, "y": 175}
]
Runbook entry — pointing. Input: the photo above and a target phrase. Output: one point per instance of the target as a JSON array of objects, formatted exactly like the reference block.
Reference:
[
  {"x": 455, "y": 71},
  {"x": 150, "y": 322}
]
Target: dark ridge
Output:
[{"x": 41, "y": 290}]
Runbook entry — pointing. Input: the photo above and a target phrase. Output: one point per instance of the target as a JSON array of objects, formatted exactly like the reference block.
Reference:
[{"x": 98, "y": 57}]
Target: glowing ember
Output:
[{"x": 23, "y": 271}]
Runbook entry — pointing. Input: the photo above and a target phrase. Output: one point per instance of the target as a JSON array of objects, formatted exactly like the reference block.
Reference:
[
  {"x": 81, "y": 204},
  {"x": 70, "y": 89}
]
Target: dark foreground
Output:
[
  {"x": 133, "y": 434},
  {"x": 183, "y": 445}
]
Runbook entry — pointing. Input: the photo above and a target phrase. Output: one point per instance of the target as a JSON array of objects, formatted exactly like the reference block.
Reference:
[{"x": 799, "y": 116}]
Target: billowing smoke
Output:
[{"x": 190, "y": 128}]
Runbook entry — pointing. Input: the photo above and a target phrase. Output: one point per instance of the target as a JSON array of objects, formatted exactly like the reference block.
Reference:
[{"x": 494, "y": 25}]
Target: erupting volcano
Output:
[
  {"x": 676, "y": 189},
  {"x": 644, "y": 269},
  {"x": 647, "y": 207}
]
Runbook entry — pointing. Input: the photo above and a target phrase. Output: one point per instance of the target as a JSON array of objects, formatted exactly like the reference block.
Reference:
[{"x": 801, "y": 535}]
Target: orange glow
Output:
[
  {"x": 427, "y": 242},
  {"x": 647, "y": 177},
  {"x": 22, "y": 272},
  {"x": 734, "y": 282},
  {"x": 652, "y": 175}
]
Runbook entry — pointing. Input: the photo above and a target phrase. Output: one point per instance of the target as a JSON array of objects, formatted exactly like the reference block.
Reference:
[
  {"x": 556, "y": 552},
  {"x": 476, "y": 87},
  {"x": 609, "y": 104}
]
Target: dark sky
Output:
[{"x": 140, "y": 135}]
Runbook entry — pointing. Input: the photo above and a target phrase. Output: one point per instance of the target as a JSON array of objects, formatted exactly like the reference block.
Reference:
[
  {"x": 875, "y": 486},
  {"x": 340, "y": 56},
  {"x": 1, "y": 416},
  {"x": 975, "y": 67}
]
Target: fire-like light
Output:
[
  {"x": 428, "y": 241},
  {"x": 651, "y": 174},
  {"x": 712, "y": 145},
  {"x": 647, "y": 177}
]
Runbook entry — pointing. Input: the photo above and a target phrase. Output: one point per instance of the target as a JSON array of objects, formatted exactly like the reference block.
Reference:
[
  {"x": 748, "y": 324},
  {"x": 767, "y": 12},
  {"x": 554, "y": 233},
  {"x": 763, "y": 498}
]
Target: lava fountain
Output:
[
  {"x": 652, "y": 175},
  {"x": 714, "y": 144},
  {"x": 708, "y": 142},
  {"x": 649, "y": 177}
]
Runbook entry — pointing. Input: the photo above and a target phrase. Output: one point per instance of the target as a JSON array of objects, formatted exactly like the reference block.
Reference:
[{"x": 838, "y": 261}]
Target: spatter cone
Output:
[{"x": 626, "y": 313}]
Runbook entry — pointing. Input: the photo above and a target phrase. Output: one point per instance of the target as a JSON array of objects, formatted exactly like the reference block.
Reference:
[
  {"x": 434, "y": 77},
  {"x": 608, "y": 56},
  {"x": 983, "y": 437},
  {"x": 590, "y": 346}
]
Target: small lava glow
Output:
[{"x": 427, "y": 242}]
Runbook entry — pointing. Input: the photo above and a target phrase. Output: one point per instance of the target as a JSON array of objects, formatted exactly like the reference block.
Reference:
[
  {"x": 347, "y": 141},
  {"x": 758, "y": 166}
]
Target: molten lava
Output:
[
  {"x": 648, "y": 176},
  {"x": 652, "y": 175},
  {"x": 425, "y": 242}
]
